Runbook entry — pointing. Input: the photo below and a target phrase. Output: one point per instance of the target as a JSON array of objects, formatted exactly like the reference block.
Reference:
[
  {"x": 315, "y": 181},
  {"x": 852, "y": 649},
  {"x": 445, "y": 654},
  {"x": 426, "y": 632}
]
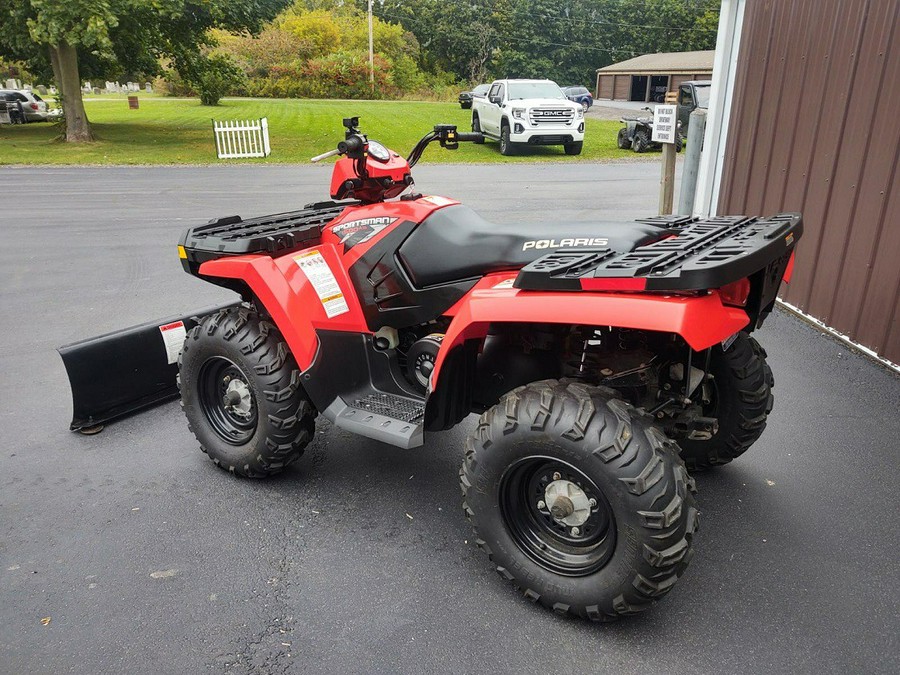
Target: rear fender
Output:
[
  {"x": 291, "y": 300},
  {"x": 701, "y": 320}
]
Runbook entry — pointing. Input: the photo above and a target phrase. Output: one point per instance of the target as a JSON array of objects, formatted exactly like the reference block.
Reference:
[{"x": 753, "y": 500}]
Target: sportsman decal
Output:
[{"x": 360, "y": 231}]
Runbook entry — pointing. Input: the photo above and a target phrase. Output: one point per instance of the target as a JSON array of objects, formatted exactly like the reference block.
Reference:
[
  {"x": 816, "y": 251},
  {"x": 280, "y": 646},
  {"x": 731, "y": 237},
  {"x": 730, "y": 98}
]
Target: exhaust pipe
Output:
[{"x": 126, "y": 371}]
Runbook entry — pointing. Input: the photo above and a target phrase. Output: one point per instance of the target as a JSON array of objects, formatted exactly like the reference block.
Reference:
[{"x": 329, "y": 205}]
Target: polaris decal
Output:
[
  {"x": 360, "y": 231},
  {"x": 580, "y": 242}
]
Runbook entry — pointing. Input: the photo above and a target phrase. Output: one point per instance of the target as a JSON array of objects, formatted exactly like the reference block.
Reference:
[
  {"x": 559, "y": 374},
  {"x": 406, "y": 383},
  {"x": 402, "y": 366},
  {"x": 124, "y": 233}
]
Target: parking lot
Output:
[{"x": 130, "y": 552}]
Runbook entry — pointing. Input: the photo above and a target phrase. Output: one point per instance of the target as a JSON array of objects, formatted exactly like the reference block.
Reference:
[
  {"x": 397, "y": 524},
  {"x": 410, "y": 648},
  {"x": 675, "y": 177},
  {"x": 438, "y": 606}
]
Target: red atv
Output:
[{"x": 603, "y": 359}]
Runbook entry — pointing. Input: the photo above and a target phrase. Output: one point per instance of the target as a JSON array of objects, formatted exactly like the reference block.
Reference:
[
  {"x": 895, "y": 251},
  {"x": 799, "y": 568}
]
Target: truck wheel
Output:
[
  {"x": 578, "y": 499},
  {"x": 573, "y": 148},
  {"x": 679, "y": 141},
  {"x": 740, "y": 397},
  {"x": 641, "y": 140},
  {"x": 476, "y": 123},
  {"x": 241, "y": 393},
  {"x": 507, "y": 147},
  {"x": 622, "y": 139}
]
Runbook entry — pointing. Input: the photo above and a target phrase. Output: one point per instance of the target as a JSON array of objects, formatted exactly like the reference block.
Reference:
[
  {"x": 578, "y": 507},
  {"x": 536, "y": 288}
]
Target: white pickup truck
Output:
[{"x": 529, "y": 112}]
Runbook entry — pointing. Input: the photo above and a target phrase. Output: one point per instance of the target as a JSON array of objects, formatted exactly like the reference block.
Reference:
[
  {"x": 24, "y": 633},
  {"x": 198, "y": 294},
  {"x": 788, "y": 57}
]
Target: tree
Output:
[{"x": 135, "y": 34}]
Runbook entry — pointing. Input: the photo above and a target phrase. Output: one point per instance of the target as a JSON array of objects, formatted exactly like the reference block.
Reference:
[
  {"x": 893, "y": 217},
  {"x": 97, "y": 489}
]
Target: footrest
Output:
[{"x": 384, "y": 417}]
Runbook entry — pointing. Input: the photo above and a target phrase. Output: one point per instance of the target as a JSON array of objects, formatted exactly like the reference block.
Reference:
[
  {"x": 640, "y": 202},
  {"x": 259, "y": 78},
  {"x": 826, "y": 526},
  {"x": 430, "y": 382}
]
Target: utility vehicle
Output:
[{"x": 604, "y": 360}]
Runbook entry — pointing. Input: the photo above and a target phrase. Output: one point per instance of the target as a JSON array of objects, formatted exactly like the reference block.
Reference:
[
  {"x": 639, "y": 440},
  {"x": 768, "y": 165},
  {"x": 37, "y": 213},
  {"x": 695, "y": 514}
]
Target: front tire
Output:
[
  {"x": 573, "y": 148},
  {"x": 740, "y": 398},
  {"x": 476, "y": 124},
  {"x": 506, "y": 146},
  {"x": 641, "y": 141},
  {"x": 622, "y": 139},
  {"x": 579, "y": 500},
  {"x": 241, "y": 393}
]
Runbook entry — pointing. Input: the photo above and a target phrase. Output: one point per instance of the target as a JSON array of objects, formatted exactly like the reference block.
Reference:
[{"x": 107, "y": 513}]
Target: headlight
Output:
[
  {"x": 518, "y": 113},
  {"x": 579, "y": 113},
  {"x": 378, "y": 151}
]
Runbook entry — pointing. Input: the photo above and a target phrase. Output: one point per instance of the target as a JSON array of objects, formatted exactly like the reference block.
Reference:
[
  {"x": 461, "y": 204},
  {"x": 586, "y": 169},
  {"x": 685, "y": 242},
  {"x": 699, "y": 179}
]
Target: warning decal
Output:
[
  {"x": 322, "y": 278},
  {"x": 173, "y": 335}
]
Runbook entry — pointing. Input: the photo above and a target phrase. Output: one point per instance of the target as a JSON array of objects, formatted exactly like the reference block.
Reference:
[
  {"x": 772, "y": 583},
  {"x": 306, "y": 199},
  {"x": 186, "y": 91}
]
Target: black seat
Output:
[{"x": 455, "y": 243}]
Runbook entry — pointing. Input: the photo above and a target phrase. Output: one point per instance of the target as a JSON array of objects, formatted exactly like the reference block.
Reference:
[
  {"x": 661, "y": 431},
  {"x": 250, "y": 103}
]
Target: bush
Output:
[{"x": 214, "y": 77}]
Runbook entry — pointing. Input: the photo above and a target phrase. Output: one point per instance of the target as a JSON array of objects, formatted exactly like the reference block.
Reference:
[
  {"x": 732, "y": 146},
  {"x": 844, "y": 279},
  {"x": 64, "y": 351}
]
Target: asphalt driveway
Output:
[{"x": 141, "y": 557}]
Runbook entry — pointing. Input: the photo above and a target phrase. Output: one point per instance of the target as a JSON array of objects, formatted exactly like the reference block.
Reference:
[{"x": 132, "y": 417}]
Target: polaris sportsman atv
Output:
[{"x": 604, "y": 359}]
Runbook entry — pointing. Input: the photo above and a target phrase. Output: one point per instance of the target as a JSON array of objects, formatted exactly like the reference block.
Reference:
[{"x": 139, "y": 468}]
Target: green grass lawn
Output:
[{"x": 179, "y": 131}]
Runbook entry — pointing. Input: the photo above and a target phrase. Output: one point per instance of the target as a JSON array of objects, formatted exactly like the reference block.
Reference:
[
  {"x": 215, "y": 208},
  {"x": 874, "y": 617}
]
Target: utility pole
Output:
[{"x": 371, "y": 52}]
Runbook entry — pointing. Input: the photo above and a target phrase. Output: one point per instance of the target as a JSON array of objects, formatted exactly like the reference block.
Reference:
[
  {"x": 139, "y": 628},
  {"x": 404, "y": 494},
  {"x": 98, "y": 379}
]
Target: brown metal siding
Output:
[
  {"x": 605, "y": 86},
  {"x": 622, "y": 88},
  {"x": 814, "y": 128}
]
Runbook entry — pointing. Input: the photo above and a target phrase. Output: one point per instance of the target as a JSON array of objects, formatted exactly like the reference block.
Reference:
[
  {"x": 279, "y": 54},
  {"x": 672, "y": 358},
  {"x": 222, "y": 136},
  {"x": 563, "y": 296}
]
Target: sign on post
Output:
[
  {"x": 664, "y": 124},
  {"x": 664, "y": 128}
]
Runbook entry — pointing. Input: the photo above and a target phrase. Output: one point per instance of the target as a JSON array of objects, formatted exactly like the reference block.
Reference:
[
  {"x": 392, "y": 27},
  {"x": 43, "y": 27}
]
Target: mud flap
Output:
[{"x": 126, "y": 371}]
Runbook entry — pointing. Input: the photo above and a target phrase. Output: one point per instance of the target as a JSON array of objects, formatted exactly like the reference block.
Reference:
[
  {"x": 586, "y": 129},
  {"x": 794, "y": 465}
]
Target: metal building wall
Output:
[{"x": 815, "y": 127}]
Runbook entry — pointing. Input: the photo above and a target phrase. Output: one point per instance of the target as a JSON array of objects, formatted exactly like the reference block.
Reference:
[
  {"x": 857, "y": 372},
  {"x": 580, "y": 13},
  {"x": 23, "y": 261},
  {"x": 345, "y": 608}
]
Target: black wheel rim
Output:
[
  {"x": 555, "y": 546},
  {"x": 223, "y": 389}
]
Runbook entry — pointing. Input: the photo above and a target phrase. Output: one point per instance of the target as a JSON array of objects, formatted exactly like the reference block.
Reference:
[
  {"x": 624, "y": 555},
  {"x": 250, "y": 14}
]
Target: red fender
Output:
[
  {"x": 289, "y": 297},
  {"x": 701, "y": 320}
]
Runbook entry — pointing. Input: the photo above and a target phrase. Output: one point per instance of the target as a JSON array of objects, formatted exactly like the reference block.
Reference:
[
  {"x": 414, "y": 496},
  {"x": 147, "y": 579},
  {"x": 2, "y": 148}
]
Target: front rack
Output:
[{"x": 273, "y": 235}]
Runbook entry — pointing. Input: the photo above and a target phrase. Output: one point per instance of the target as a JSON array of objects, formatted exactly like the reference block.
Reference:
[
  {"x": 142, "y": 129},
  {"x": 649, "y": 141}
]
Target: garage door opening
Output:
[
  {"x": 638, "y": 88},
  {"x": 659, "y": 85}
]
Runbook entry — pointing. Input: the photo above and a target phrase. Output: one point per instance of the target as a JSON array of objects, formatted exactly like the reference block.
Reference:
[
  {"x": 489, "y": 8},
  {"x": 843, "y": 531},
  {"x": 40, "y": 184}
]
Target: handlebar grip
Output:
[
  {"x": 325, "y": 155},
  {"x": 470, "y": 136}
]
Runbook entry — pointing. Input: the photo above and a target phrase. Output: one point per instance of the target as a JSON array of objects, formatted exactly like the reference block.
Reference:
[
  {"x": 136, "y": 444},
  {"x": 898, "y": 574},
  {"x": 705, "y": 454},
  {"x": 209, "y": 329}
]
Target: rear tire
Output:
[
  {"x": 574, "y": 148},
  {"x": 241, "y": 393},
  {"x": 628, "y": 541},
  {"x": 741, "y": 400}
]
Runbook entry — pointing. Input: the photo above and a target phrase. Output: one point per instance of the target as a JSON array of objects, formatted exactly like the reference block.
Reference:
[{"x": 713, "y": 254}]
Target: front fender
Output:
[
  {"x": 701, "y": 320},
  {"x": 290, "y": 299}
]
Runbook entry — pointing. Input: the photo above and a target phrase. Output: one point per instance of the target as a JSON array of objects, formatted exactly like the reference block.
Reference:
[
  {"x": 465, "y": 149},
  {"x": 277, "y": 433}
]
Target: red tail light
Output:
[
  {"x": 735, "y": 293},
  {"x": 34, "y": 106}
]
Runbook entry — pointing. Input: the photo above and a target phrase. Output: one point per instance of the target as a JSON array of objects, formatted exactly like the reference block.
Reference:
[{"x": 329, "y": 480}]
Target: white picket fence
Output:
[{"x": 247, "y": 138}]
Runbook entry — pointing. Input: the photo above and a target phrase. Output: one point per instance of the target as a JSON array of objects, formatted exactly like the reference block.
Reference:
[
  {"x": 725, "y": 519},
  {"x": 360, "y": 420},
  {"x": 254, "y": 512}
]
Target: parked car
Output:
[
  {"x": 519, "y": 113},
  {"x": 465, "y": 98},
  {"x": 579, "y": 95},
  {"x": 33, "y": 108}
]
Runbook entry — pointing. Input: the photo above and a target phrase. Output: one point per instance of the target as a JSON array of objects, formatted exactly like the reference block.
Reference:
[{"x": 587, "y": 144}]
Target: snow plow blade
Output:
[{"x": 120, "y": 373}]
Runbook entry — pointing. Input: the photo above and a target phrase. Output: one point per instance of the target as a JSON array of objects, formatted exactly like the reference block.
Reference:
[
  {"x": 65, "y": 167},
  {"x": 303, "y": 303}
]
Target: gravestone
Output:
[
  {"x": 52, "y": 90},
  {"x": 11, "y": 84},
  {"x": 42, "y": 90},
  {"x": 148, "y": 87},
  {"x": 97, "y": 90}
]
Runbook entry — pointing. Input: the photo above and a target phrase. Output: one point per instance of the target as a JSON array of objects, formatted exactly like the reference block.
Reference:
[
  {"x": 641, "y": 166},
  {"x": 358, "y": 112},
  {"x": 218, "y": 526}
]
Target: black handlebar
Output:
[{"x": 474, "y": 137}]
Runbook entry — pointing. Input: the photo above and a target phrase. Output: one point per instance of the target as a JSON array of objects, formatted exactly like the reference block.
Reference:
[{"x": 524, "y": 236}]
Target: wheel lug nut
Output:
[
  {"x": 557, "y": 475},
  {"x": 575, "y": 531},
  {"x": 592, "y": 502},
  {"x": 541, "y": 505}
]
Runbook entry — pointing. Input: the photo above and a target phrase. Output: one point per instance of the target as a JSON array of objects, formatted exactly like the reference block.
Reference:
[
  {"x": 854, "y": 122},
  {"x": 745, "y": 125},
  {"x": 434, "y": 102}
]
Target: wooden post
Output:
[{"x": 667, "y": 180}]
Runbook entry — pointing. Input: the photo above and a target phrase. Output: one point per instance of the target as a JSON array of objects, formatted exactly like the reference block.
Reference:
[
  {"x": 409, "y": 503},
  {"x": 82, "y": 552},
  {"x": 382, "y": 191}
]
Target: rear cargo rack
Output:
[
  {"x": 698, "y": 255},
  {"x": 273, "y": 235}
]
